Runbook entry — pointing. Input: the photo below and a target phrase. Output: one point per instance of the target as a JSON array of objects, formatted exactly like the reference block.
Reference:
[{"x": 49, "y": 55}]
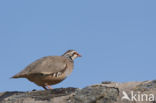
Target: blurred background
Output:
[{"x": 117, "y": 39}]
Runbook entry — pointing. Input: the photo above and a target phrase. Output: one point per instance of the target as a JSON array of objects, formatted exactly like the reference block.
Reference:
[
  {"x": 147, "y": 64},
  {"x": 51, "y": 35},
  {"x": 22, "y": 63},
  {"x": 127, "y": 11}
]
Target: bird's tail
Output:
[{"x": 18, "y": 76}]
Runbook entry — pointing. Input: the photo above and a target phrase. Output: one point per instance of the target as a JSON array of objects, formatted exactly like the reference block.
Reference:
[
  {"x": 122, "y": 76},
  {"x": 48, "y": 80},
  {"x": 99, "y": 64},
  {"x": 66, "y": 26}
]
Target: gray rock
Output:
[
  {"x": 45, "y": 96},
  {"x": 96, "y": 94},
  {"x": 106, "y": 92}
]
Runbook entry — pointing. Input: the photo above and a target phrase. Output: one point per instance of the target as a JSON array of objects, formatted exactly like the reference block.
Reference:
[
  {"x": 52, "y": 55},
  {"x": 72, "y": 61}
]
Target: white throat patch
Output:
[{"x": 74, "y": 56}]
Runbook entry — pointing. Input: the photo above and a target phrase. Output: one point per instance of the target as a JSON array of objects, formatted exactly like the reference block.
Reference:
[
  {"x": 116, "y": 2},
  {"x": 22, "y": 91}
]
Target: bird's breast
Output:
[{"x": 69, "y": 69}]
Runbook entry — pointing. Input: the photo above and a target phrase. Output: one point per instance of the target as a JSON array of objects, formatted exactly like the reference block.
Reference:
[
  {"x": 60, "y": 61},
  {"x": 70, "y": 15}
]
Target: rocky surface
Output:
[{"x": 106, "y": 92}]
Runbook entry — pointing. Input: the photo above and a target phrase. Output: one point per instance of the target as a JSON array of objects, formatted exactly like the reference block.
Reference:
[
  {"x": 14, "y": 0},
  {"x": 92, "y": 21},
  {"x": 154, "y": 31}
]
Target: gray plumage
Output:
[
  {"x": 46, "y": 65},
  {"x": 49, "y": 70}
]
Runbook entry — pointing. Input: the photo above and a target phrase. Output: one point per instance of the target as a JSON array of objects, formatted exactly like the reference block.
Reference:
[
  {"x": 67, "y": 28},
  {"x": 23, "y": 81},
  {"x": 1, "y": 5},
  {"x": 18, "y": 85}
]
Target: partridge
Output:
[{"x": 49, "y": 70}]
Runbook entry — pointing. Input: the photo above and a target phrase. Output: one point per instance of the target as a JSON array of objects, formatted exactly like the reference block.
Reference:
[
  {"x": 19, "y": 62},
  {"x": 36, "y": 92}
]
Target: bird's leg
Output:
[
  {"x": 44, "y": 87},
  {"x": 49, "y": 87},
  {"x": 46, "y": 84}
]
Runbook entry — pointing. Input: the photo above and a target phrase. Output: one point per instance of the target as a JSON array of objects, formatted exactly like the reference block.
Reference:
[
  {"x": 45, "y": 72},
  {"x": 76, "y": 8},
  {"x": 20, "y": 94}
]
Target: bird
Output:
[{"x": 49, "y": 70}]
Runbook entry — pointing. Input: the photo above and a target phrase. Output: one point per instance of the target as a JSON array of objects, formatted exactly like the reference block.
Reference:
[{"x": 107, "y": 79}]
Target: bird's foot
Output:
[{"x": 47, "y": 87}]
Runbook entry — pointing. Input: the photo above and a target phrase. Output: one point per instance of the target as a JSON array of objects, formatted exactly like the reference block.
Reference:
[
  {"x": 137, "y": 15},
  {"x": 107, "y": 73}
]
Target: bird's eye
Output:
[{"x": 75, "y": 53}]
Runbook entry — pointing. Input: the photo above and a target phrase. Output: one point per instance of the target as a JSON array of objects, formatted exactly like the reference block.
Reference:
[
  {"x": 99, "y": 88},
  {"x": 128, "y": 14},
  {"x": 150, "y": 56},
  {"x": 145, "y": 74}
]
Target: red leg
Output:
[
  {"x": 44, "y": 87},
  {"x": 49, "y": 87}
]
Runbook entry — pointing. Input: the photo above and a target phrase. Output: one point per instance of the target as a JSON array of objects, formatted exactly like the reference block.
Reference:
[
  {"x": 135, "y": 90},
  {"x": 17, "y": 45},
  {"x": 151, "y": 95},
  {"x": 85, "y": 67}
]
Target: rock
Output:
[
  {"x": 45, "y": 96},
  {"x": 96, "y": 94},
  {"x": 106, "y": 82},
  {"x": 106, "y": 92}
]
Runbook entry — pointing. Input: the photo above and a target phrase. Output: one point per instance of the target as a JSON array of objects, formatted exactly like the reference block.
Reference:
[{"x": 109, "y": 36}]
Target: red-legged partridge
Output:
[{"x": 49, "y": 70}]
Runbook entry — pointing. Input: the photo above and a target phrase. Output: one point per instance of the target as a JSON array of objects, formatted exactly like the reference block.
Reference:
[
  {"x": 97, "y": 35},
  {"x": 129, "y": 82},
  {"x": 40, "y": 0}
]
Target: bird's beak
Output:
[{"x": 79, "y": 55}]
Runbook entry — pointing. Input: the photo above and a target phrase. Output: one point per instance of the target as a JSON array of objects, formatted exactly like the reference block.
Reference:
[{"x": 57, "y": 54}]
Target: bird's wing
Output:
[{"x": 45, "y": 65}]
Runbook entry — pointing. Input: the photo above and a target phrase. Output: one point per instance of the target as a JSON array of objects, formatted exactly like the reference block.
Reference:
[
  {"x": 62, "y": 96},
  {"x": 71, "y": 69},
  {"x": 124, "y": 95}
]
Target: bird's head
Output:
[{"x": 71, "y": 54}]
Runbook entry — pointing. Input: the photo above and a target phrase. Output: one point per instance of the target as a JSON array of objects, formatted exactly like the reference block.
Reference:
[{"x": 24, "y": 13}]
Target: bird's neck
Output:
[{"x": 68, "y": 57}]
